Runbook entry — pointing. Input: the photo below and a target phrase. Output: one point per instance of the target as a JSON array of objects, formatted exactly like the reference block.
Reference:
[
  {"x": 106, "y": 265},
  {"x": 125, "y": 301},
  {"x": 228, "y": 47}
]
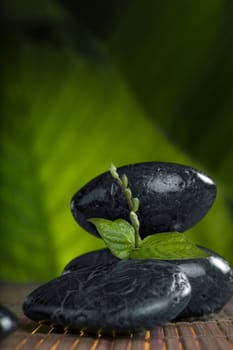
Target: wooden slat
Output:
[
  {"x": 214, "y": 333},
  {"x": 171, "y": 336},
  {"x": 227, "y": 327},
  {"x": 188, "y": 337},
  {"x": 207, "y": 338},
  {"x": 157, "y": 338},
  {"x": 122, "y": 344}
]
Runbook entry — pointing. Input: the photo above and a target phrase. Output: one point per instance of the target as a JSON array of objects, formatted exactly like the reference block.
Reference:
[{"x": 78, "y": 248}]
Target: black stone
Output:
[
  {"x": 125, "y": 296},
  {"x": 8, "y": 321},
  {"x": 96, "y": 259},
  {"x": 211, "y": 279},
  {"x": 172, "y": 197}
]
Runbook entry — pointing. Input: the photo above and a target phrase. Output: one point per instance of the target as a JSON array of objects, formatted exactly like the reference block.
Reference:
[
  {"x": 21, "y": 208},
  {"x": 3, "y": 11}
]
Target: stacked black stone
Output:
[
  {"x": 99, "y": 292},
  {"x": 8, "y": 322}
]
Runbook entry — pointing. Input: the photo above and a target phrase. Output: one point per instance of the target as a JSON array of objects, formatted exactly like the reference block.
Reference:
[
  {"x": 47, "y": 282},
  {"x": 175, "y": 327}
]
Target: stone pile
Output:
[{"x": 100, "y": 292}]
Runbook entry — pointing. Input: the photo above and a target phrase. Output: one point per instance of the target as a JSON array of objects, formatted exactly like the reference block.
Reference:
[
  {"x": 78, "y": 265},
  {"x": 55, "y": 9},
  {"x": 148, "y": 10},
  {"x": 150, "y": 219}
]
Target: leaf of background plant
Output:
[
  {"x": 118, "y": 235},
  {"x": 167, "y": 246},
  {"x": 64, "y": 120},
  {"x": 178, "y": 62}
]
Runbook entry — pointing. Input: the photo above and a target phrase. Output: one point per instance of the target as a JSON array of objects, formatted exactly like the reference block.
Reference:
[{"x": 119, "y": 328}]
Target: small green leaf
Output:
[
  {"x": 118, "y": 235},
  {"x": 135, "y": 201},
  {"x": 124, "y": 180},
  {"x": 113, "y": 171},
  {"x": 167, "y": 246}
]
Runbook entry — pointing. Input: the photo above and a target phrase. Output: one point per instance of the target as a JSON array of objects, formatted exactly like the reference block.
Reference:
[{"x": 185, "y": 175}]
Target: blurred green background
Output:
[{"x": 86, "y": 83}]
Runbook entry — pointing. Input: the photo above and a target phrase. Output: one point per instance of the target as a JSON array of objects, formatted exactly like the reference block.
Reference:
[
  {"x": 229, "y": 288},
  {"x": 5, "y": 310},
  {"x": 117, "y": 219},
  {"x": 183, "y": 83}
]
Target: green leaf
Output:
[
  {"x": 167, "y": 246},
  {"x": 55, "y": 102},
  {"x": 169, "y": 74},
  {"x": 68, "y": 111},
  {"x": 118, "y": 235},
  {"x": 172, "y": 80}
]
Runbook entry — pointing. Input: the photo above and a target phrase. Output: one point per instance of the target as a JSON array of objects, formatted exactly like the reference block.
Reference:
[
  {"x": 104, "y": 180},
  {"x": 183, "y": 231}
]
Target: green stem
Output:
[
  {"x": 135, "y": 222},
  {"x": 133, "y": 202}
]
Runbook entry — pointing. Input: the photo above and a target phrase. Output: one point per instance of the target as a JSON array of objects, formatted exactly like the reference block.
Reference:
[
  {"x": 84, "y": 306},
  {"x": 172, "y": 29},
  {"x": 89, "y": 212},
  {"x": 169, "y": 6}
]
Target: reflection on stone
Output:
[{"x": 172, "y": 197}]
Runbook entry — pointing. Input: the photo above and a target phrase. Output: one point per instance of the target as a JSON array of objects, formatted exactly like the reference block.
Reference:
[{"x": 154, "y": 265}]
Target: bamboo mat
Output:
[{"x": 215, "y": 333}]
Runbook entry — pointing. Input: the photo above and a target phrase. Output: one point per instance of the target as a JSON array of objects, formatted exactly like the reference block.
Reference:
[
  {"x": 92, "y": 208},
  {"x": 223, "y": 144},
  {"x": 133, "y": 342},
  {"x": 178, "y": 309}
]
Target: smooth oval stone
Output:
[
  {"x": 98, "y": 258},
  {"x": 8, "y": 322},
  {"x": 172, "y": 197},
  {"x": 127, "y": 296},
  {"x": 211, "y": 279}
]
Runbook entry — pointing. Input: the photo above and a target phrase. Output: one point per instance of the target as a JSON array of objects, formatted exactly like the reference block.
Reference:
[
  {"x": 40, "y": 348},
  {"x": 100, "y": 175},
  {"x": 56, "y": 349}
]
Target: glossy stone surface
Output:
[
  {"x": 8, "y": 322},
  {"x": 94, "y": 287},
  {"x": 95, "y": 259},
  {"x": 125, "y": 296},
  {"x": 172, "y": 197},
  {"x": 211, "y": 280}
]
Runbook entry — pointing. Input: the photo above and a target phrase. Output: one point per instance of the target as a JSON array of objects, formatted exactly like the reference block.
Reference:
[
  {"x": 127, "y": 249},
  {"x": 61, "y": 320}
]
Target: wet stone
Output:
[
  {"x": 121, "y": 296},
  {"x": 98, "y": 259},
  {"x": 211, "y": 279},
  {"x": 8, "y": 322},
  {"x": 172, "y": 197}
]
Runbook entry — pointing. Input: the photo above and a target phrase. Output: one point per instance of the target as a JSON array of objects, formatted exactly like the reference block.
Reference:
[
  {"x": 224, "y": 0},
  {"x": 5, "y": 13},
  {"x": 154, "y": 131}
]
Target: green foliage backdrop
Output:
[{"x": 152, "y": 83}]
